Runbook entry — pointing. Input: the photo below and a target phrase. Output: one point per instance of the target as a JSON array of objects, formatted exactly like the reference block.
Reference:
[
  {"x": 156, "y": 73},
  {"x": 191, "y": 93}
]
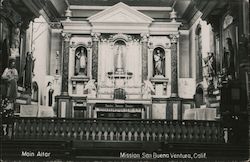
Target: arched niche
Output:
[
  {"x": 81, "y": 61},
  {"x": 119, "y": 55},
  {"x": 159, "y": 61}
]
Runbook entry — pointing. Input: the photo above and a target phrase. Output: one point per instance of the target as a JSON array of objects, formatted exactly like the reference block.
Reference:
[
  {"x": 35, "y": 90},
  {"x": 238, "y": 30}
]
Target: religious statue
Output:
[
  {"x": 81, "y": 62},
  {"x": 50, "y": 94},
  {"x": 211, "y": 70},
  {"x": 210, "y": 63},
  {"x": 15, "y": 43},
  {"x": 159, "y": 63},
  {"x": 148, "y": 89},
  {"x": 229, "y": 59},
  {"x": 90, "y": 86},
  {"x": 119, "y": 60},
  {"x": 28, "y": 71},
  {"x": 210, "y": 87},
  {"x": 10, "y": 74},
  {"x": 33, "y": 63}
]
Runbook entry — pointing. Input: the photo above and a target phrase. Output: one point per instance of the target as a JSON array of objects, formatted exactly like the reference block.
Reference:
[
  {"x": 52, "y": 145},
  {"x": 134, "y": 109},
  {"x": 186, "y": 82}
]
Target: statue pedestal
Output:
[
  {"x": 79, "y": 82},
  {"x": 160, "y": 83}
]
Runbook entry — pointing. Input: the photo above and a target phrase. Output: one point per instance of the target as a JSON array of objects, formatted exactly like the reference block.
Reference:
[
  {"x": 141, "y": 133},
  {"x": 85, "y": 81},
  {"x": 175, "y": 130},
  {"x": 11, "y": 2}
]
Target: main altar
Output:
[{"x": 120, "y": 57}]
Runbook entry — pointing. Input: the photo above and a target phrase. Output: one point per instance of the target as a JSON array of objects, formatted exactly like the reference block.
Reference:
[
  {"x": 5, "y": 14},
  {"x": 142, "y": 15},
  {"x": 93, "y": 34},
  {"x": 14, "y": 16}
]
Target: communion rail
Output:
[{"x": 172, "y": 131}]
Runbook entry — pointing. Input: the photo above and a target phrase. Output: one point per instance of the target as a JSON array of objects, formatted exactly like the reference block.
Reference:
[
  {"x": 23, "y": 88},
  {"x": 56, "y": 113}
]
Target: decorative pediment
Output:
[
  {"x": 120, "y": 13},
  {"x": 120, "y": 18}
]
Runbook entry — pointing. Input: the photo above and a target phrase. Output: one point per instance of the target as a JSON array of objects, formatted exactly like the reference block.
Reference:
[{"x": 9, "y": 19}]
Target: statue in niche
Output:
[
  {"x": 81, "y": 61},
  {"x": 148, "y": 89},
  {"x": 90, "y": 86},
  {"x": 229, "y": 59},
  {"x": 119, "y": 66},
  {"x": 159, "y": 62}
]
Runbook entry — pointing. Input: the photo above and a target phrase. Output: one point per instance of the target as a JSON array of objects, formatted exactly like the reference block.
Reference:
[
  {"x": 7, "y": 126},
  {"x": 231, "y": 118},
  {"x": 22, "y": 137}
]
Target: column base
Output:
[
  {"x": 174, "y": 108},
  {"x": 64, "y": 106},
  {"x": 64, "y": 94},
  {"x": 174, "y": 95}
]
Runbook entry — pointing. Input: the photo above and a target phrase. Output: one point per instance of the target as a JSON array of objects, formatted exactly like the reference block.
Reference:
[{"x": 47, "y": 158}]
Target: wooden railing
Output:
[{"x": 118, "y": 130}]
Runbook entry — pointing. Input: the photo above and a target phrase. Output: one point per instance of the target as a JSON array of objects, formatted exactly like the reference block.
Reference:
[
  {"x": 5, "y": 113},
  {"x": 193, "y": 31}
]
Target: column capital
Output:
[
  {"x": 144, "y": 37},
  {"x": 95, "y": 36},
  {"x": 66, "y": 36},
  {"x": 174, "y": 38}
]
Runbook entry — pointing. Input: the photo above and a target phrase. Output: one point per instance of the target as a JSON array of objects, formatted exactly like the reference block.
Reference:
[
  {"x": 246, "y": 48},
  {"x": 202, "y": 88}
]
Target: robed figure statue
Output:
[
  {"x": 159, "y": 63},
  {"x": 81, "y": 62},
  {"x": 229, "y": 59},
  {"x": 10, "y": 75}
]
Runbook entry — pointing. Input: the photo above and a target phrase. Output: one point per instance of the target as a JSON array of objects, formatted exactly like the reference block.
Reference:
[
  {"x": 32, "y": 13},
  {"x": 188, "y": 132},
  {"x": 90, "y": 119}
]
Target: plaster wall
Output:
[{"x": 41, "y": 52}]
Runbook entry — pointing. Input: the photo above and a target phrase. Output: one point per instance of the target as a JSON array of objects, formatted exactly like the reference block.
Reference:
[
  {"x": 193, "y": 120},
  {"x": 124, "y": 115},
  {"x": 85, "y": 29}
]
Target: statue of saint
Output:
[
  {"x": 14, "y": 50},
  {"x": 119, "y": 60},
  {"x": 210, "y": 63},
  {"x": 159, "y": 63},
  {"x": 81, "y": 62},
  {"x": 28, "y": 71},
  {"x": 10, "y": 74},
  {"x": 50, "y": 94}
]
